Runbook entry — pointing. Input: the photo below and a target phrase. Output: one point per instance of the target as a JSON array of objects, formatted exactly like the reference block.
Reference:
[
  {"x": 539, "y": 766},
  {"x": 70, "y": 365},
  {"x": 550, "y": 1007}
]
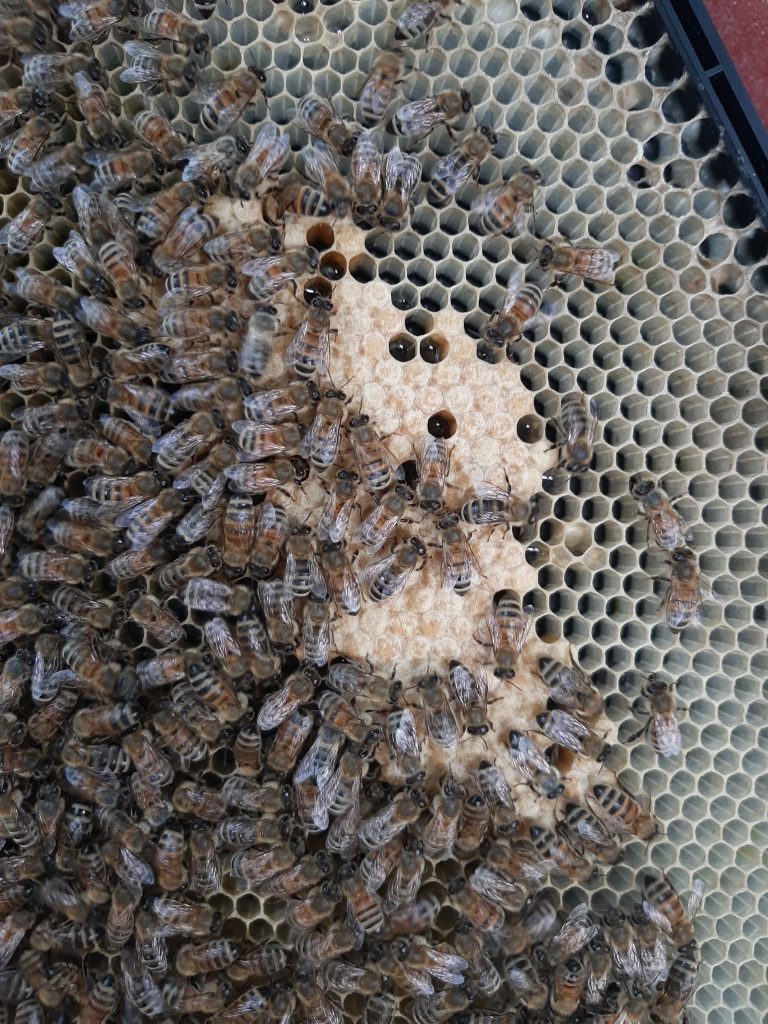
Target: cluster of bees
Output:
[{"x": 151, "y": 490}]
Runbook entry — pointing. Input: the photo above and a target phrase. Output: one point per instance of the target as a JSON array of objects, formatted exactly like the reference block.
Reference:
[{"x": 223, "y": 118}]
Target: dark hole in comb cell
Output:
[
  {"x": 433, "y": 348},
  {"x": 320, "y": 237},
  {"x": 529, "y": 429},
  {"x": 362, "y": 268},
  {"x": 317, "y": 287},
  {"x": 442, "y": 424},
  {"x": 402, "y": 348},
  {"x": 418, "y": 323},
  {"x": 333, "y": 266}
]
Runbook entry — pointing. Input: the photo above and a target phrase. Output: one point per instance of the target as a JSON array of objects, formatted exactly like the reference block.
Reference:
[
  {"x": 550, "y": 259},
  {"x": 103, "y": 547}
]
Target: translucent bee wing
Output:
[
  {"x": 219, "y": 638},
  {"x": 319, "y": 164},
  {"x": 419, "y": 116},
  {"x": 403, "y": 174},
  {"x": 403, "y": 737},
  {"x": 261, "y": 265},
  {"x": 367, "y": 157},
  {"x": 432, "y": 462},
  {"x": 577, "y": 930},
  {"x": 696, "y": 898},
  {"x": 314, "y": 102},
  {"x": 669, "y": 740},
  {"x": 351, "y": 595},
  {"x": 453, "y": 171},
  {"x": 269, "y": 149},
  {"x": 463, "y": 685},
  {"x": 139, "y": 49},
  {"x": 659, "y": 919},
  {"x": 8, "y": 142},
  {"x": 486, "y": 199}
]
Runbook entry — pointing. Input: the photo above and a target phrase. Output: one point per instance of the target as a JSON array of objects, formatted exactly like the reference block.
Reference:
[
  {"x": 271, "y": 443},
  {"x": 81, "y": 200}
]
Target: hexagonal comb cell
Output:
[{"x": 172, "y": 814}]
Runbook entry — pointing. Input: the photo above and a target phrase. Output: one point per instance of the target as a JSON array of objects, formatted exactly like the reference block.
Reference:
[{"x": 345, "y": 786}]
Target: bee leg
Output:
[{"x": 483, "y": 643}]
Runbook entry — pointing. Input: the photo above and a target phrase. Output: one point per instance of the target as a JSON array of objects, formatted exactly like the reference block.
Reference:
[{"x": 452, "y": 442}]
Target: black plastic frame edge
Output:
[{"x": 693, "y": 33}]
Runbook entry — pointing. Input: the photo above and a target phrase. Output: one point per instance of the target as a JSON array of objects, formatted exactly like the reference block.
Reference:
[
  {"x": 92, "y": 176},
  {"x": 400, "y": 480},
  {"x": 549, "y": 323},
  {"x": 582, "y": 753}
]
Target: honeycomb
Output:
[{"x": 592, "y": 94}]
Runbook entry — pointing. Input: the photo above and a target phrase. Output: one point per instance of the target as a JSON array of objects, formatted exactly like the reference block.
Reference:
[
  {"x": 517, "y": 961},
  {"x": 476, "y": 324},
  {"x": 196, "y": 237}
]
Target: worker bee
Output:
[
  {"x": 225, "y": 102},
  {"x": 263, "y": 440},
  {"x": 678, "y": 986},
  {"x": 34, "y": 376},
  {"x": 165, "y": 22},
  {"x": 379, "y": 87},
  {"x": 382, "y": 521},
  {"x": 387, "y": 577},
  {"x": 277, "y": 404},
  {"x": 570, "y": 689},
  {"x": 316, "y": 115},
  {"x": 433, "y": 468},
  {"x": 590, "y": 263},
  {"x": 420, "y": 17},
  {"x": 90, "y": 20},
  {"x": 265, "y": 156},
  {"x": 533, "y": 765},
  {"x": 665, "y": 908},
  {"x": 686, "y": 591},
  {"x": 480, "y": 912},
  {"x": 402, "y": 173},
  {"x": 308, "y": 351},
  {"x": 569, "y": 980},
  {"x": 341, "y": 578},
  {"x": 576, "y": 427},
  {"x": 157, "y": 131},
  {"x": 302, "y": 571},
  {"x": 670, "y": 530},
  {"x": 115, "y": 169},
  {"x": 366, "y": 177},
  {"x": 508, "y": 625},
  {"x": 320, "y": 167},
  {"x": 321, "y": 442},
  {"x": 22, "y": 147},
  {"x": 260, "y": 477},
  {"x": 50, "y": 70},
  {"x": 494, "y": 506},
  {"x": 275, "y": 601},
  {"x": 100, "y": 1001},
  {"x": 93, "y": 105},
  {"x": 563, "y": 858},
  {"x": 189, "y": 231},
  {"x": 208, "y": 595},
  {"x": 24, "y": 335},
  {"x": 626, "y": 815},
  {"x": 471, "y": 692},
  {"x": 463, "y": 164},
  {"x": 571, "y": 733},
  {"x": 438, "y": 717},
  {"x": 519, "y": 312},
  {"x": 316, "y": 634},
  {"x": 236, "y": 246},
  {"x": 662, "y": 726},
  {"x": 26, "y": 228},
  {"x": 55, "y": 567},
  {"x": 39, "y": 290},
  {"x": 386, "y": 824},
  {"x": 337, "y": 508},
  {"x": 458, "y": 566},
  {"x": 269, "y": 532},
  {"x": 21, "y": 102},
  {"x": 418, "y": 119},
  {"x": 271, "y": 274},
  {"x": 208, "y": 161},
  {"x": 587, "y": 833},
  {"x": 505, "y": 208},
  {"x": 372, "y": 457},
  {"x": 150, "y": 65},
  {"x": 159, "y": 212},
  {"x": 55, "y": 168}
]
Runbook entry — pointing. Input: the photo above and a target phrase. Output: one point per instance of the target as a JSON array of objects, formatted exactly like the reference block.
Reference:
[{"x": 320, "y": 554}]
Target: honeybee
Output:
[
  {"x": 337, "y": 508},
  {"x": 213, "y": 596},
  {"x": 481, "y": 913},
  {"x": 118, "y": 489},
  {"x": 22, "y": 147},
  {"x": 49, "y": 70},
  {"x": 686, "y": 591},
  {"x": 100, "y": 1001},
  {"x": 54, "y": 168},
  {"x": 420, "y": 17},
  {"x": 120, "y": 919},
  {"x": 226, "y": 101},
  {"x": 187, "y": 324},
  {"x": 308, "y": 351},
  {"x": 570, "y": 689},
  {"x": 576, "y": 427},
  {"x": 316, "y": 634},
  {"x": 316, "y": 115},
  {"x": 670, "y": 530},
  {"x": 236, "y": 246},
  {"x": 161, "y": 209},
  {"x": 662, "y": 726},
  {"x": 141, "y": 990},
  {"x": 384, "y": 826},
  {"x": 157, "y": 131},
  {"x": 165, "y": 22},
  {"x": 366, "y": 178},
  {"x": 34, "y": 376},
  {"x": 265, "y": 156},
  {"x": 463, "y": 164},
  {"x": 387, "y": 577},
  {"x": 150, "y": 65},
  {"x": 505, "y": 208},
  {"x": 260, "y": 477},
  {"x": 568, "y": 983},
  {"x": 418, "y": 119},
  {"x": 90, "y": 20},
  {"x": 209, "y": 956},
  {"x": 563, "y": 858},
  {"x": 277, "y": 404},
  {"x": 625, "y": 814},
  {"x": 189, "y": 231},
  {"x": 21, "y": 102},
  {"x": 341, "y": 578},
  {"x": 271, "y": 274},
  {"x": 115, "y": 169},
  {"x": 382, "y": 520},
  {"x": 255, "y": 350},
  {"x": 264, "y": 440},
  {"x": 567, "y": 731},
  {"x": 302, "y": 571},
  {"x": 588, "y": 262},
  {"x": 586, "y": 832},
  {"x": 55, "y": 567},
  {"x": 321, "y": 442},
  {"x": 383, "y": 78},
  {"x": 458, "y": 566},
  {"x": 320, "y": 168},
  {"x": 23, "y": 336},
  {"x": 678, "y": 987},
  {"x": 533, "y": 765},
  {"x": 195, "y": 366},
  {"x": 40, "y": 290},
  {"x": 372, "y": 457},
  {"x": 143, "y": 523},
  {"x": 402, "y": 173},
  {"x": 94, "y": 106},
  {"x": 664, "y": 907},
  {"x": 26, "y": 228},
  {"x": 519, "y": 312},
  {"x": 508, "y": 625}
]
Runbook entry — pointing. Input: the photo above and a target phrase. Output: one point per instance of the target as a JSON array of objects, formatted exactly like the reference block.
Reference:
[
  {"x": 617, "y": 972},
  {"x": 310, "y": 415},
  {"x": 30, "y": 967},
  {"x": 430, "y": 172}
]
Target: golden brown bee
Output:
[
  {"x": 90, "y": 20},
  {"x": 104, "y": 319},
  {"x": 265, "y": 156},
  {"x": 551, "y": 847},
  {"x": 366, "y": 178},
  {"x": 568, "y": 983},
  {"x": 120, "y": 919},
  {"x": 215, "y": 691},
  {"x": 662, "y": 726},
  {"x": 157, "y": 131},
  {"x": 570, "y": 689},
  {"x": 572, "y": 734},
  {"x": 321, "y": 442},
  {"x": 124, "y": 365},
  {"x": 22, "y": 147},
  {"x": 34, "y": 376},
  {"x": 586, "y": 832},
  {"x": 226, "y": 101},
  {"x": 588, "y": 262},
  {"x": 192, "y": 323},
  {"x": 316, "y": 115},
  {"x": 166, "y": 23},
  {"x": 576, "y": 426},
  {"x": 23, "y": 34},
  {"x": 372, "y": 457},
  {"x": 508, "y": 625},
  {"x": 458, "y": 565},
  {"x": 89, "y": 452},
  {"x": 318, "y": 947},
  {"x": 116, "y": 489},
  {"x": 387, "y": 577},
  {"x": 14, "y": 455},
  {"x": 264, "y": 440},
  {"x": 665, "y": 908},
  {"x": 55, "y": 168},
  {"x": 485, "y": 916},
  {"x": 505, "y": 208},
  {"x": 678, "y": 987},
  {"x": 271, "y": 274},
  {"x": 308, "y": 351},
  {"x": 670, "y": 530},
  {"x": 94, "y": 106},
  {"x": 383, "y": 519},
  {"x": 53, "y": 567},
  {"x": 26, "y": 228},
  {"x": 271, "y": 532},
  {"x": 101, "y": 1001},
  {"x": 193, "y": 283},
  {"x": 116, "y": 169},
  {"x": 341, "y": 579},
  {"x": 50, "y": 70},
  {"x": 454, "y": 170},
  {"x": 402, "y": 173},
  {"x": 383, "y": 78},
  {"x": 238, "y": 526},
  {"x": 198, "y": 562},
  {"x": 185, "y": 745},
  {"x": 20, "y": 102},
  {"x": 625, "y": 814},
  {"x": 49, "y": 719},
  {"x": 168, "y": 857},
  {"x": 519, "y": 312},
  {"x": 236, "y": 246},
  {"x": 84, "y": 539},
  {"x": 162, "y": 208},
  {"x": 189, "y": 231},
  {"x": 418, "y": 119},
  {"x": 150, "y": 65},
  {"x": 118, "y": 262},
  {"x": 105, "y": 719},
  {"x": 258, "y": 867},
  {"x": 259, "y": 477},
  {"x": 210, "y": 956},
  {"x": 685, "y": 592}
]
